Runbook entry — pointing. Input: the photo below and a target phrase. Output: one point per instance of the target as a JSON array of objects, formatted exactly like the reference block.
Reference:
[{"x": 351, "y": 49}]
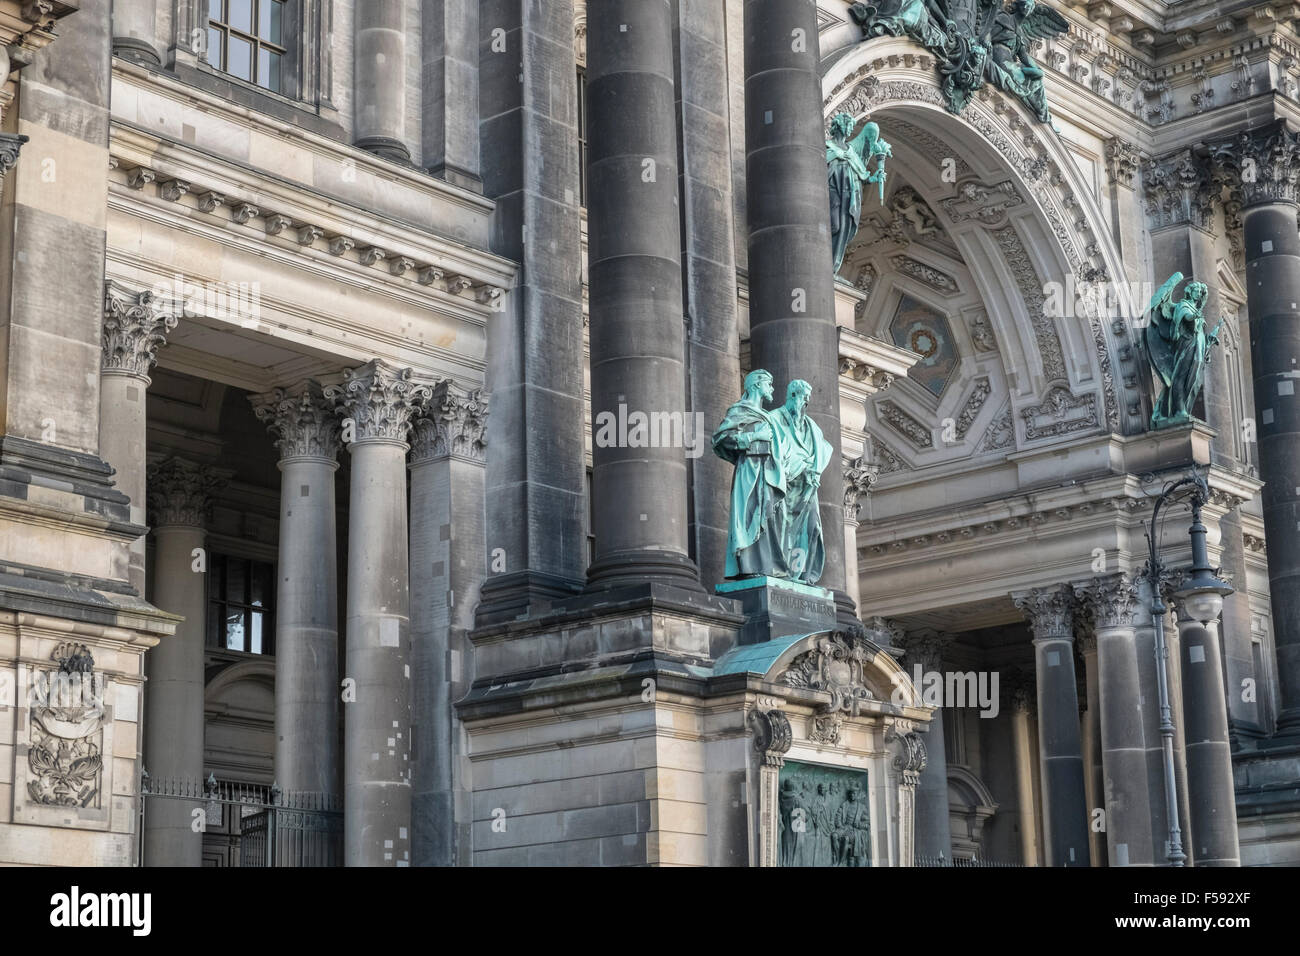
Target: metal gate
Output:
[{"x": 250, "y": 824}]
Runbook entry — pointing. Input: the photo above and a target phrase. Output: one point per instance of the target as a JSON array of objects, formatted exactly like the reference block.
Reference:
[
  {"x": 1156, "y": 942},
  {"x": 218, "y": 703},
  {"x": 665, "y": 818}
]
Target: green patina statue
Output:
[
  {"x": 779, "y": 455},
  {"x": 974, "y": 41},
  {"x": 848, "y": 162},
  {"x": 1179, "y": 349}
]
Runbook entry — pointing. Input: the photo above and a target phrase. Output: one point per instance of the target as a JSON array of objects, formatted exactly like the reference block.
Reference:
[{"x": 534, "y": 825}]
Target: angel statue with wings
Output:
[
  {"x": 1012, "y": 33},
  {"x": 1179, "y": 349}
]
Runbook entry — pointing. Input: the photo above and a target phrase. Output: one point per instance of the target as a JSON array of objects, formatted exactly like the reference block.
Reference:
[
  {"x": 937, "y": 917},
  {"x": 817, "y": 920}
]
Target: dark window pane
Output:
[
  {"x": 216, "y": 576},
  {"x": 262, "y": 584},
  {"x": 255, "y": 632},
  {"x": 268, "y": 27},
  {"x": 234, "y": 629},
  {"x": 214, "y": 10},
  {"x": 239, "y": 58},
  {"x": 241, "y": 15},
  {"x": 268, "y": 69},
  {"x": 214, "y": 635},
  {"x": 214, "y": 47},
  {"x": 237, "y": 580}
]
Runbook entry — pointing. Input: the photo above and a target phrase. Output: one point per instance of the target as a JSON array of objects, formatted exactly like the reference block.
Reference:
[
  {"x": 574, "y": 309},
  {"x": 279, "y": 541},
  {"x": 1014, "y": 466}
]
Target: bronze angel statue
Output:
[
  {"x": 974, "y": 41},
  {"x": 1179, "y": 349}
]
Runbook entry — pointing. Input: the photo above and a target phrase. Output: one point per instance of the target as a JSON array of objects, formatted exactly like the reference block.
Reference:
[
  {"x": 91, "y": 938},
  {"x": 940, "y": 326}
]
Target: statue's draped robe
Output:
[
  {"x": 846, "y": 172},
  {"x": 757, "y": 489},
  {"x": 805, "y": 455},
  {"x": 1178, "y": 347}
]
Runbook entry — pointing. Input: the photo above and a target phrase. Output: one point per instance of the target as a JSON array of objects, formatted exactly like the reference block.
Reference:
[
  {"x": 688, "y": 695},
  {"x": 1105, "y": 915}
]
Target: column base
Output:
[
  {"x": 385, "y": 147},
  {"x": 463, "y": 178},
  {"x": 137, "y": 51},
  {"x": 521, "y": 594},
  {"x": 641, "y": 567}
]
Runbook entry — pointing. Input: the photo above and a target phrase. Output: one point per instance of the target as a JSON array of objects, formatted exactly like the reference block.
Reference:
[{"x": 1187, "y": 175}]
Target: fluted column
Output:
[
  {"x": 135, "y": 23},
  {"x": 377, "y": 403},
  {"x": 859, "y": 476},
  {"x": 306, "y": 603},
  {"x": 135, "y": 327},
  {"x": 380, "y": 77},
  {"x": 924, "y": 649},
  {"x": 1210, "y": 793},
  {"x": 1264, "y": 164},
  {"x": 447, "y": 562},
  {"x": 791, "y": 281},
  {"x": 180, "y": 494},
  {"x": 1090, "y": 739},
  {"x": 637, "y": 341},
  {"x": 1050, "y": 612},
  {"x": 1113, "y": 601}
]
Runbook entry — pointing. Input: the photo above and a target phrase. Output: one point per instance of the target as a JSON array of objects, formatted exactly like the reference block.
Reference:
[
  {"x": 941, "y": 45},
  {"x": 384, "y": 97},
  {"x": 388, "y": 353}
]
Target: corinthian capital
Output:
[
  {"x": 1112, "y": 599},
  {"x": 379, "y": 400},
  {"x": 1260, "y": 165},
  {"x": 1122, "y": 161},
  {"x": 135, "y": 325},
  {"x": 925, "y": 647},
  {"x": 859, "y": 476},
  {"x": 180, "y": 492},
  {"x": 453, "y": 425},
  {"x": 302, "y": 419},
  {"x": 1178, "y": 190},
  {"x": 1049, "y": 611}
]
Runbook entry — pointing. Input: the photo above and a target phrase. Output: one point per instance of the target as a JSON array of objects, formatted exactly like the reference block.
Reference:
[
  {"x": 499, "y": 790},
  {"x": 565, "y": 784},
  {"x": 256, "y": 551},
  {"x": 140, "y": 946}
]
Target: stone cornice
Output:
[
  {"x": 303, "y": 420},
  {"x": 379, "y": 401},
  {"x": 453, "y": 425},
  {"x": 870, "y": 364},
  {"x": 135, "y": 327},
  {"x": 180, "y": 492}
]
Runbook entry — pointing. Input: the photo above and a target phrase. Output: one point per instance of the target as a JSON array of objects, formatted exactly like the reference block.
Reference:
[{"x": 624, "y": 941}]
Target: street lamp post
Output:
[{"x": 1202, "y": 594}]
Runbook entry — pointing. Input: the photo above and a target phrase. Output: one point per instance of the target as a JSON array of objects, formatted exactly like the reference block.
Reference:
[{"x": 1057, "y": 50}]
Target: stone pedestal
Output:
[{"x": 774, "y": 607}]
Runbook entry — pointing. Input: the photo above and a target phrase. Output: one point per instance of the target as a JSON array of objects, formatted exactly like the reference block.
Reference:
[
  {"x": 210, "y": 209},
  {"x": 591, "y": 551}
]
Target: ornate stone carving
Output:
[
  {"x": 772, "y": 735},
  {"x": 825, "y": 728},
  {"x": 1123, "y": 160},
  {"x": 909, "y": 207},
  {"x": 1061, "y": 413},
  {"x": 974, "y": 404},
  {"x": 10, "y": 145},
  {"x": 924, "y": 273},
  {"x": 302, "y": 419},
  {"x": 859, "y": 475},
  {"x": 911, "y": 758},
  {"x": 135, "y": 327},
  {"x": 1178, "y": 191},
  {"x": 1031, "y": 290},
  {"x": 925, "y": 647},
  {"x": 379, "y": 400},
  {"x": 454, "y": 423},
  {"x": 887, "y": 460},
  {"x": 65, "y": 759},
  {"x": 836, "y": 665},
  {"x": 180, "y": 492},
  {"x": 1000, "y": 434},
  {"x": 1111, "y": 598},
  {"x": 981, "y": 333},
  {"x": 1263, "y": 162},
  {"x": 882, "y": 633},
  {"x": 900, "y": 421},
  {"x": 1049, "y": 611},
  {"x": 978, "y": 202}
]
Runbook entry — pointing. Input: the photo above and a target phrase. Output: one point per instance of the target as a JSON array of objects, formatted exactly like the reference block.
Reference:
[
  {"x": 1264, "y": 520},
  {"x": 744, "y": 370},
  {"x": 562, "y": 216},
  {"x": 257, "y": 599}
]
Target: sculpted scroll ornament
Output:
[
  {"x": 65, "y": 758},
  {"x": 180, "y": 492},
  {"x": 836, "y": 665},
  {"x": 380, "y": 400},
  {"x": 454, "y": 423},
  {"x": 135, "y": 327},
  {"x": 302, "y": 418},
  {"x": 911, "y": 758},
  {"x": 772, "y": 734}
]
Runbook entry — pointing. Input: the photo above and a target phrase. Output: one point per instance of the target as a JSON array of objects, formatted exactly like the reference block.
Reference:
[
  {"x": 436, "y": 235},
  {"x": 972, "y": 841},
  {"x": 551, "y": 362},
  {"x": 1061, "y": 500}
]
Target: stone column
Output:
[
  {"x": 377, "y": 403},
  {"x": 447, "y": 562},
  {"x": 180, "y": 494},
  {"x": 708, "y": 265},
  {"x": 536, "y": 544},
  {"x": 791, "y": 285},
  {"x": 1021, "y": 694},
  {"x": 135, "y": 23},
  {"x": 1094, "y": 780},
  {"x": 135, "y": 326},
  {"x": 306, "y": 603},
  {"x": 1212, "y": 828},
  {"x": 1050, "y": 612},
  {"x": 450, "y": 38},
  {"x": 1113, "y": 601},
  {"x": 859, "y": 476},
  {"x": 924, "y": 649},
  {"x": 634, "y": 268},
  {"x": 380, "y": 77},
  {"x": 1262, "y": 164}
]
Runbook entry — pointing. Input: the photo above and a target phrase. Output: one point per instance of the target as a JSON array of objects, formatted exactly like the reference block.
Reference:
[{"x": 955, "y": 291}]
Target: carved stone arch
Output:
[
  {"x": 1059, "y": 230},
  {"x": 848, "y": 666},
  {"x": 260, "y": 670},
  {"x": 970, "y": 806}
]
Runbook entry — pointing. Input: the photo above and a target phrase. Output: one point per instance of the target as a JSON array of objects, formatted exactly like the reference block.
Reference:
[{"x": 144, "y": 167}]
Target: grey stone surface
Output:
[
  {"x": 777, "y": 608},
  {"x": 380, "y": 117},
  {"x": 450, "y": 117}
]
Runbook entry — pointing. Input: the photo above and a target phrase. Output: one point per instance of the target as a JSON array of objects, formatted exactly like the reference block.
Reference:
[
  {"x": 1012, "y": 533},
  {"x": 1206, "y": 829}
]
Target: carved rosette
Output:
[
  {"x": 1178, "y": 190},
  {"x": 135, "y": 327},
  {"x": 1112, "y": 599},
  {"x": 859, "y": 476},
  {"x": 302, "y": 420},
  {"x": 453, "y": 425},
  {"x": 1049, "y": 611},
  {"x": 1260, "y": 165},
  {"x": 379, "y": 400},
  {"x": 181, "y": 492}
]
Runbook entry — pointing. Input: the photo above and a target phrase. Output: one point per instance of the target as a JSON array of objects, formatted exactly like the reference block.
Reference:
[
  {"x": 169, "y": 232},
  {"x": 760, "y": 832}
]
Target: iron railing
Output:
[{"x": 972, "y": 863}]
